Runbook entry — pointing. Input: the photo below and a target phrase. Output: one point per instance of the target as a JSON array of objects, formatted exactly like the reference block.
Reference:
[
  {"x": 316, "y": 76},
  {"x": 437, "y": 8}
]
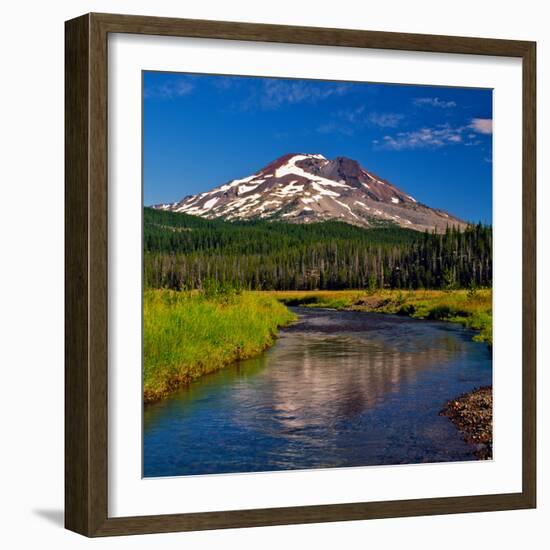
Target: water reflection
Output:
[{"x": 338, "y": 389}]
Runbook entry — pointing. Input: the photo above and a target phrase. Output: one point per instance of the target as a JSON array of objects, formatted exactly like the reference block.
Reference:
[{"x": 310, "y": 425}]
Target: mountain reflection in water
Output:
[{"x": 337, "y": 389}]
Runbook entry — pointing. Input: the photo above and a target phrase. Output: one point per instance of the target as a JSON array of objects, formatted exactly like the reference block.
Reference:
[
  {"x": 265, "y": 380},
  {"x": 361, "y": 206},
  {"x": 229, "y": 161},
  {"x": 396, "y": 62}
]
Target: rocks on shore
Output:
[{"x": 472, "y": 414}]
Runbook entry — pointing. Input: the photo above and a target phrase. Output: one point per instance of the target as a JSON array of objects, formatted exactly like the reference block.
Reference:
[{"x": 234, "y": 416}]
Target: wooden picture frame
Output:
[{"x": 86, "y": 220}]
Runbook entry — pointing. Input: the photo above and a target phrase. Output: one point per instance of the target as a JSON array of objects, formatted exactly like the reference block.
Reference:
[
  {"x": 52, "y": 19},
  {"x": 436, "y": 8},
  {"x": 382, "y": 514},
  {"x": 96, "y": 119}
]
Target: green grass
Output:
[
  {"x": 472, "y": 309},
  {"x": 189, "y": 334}
]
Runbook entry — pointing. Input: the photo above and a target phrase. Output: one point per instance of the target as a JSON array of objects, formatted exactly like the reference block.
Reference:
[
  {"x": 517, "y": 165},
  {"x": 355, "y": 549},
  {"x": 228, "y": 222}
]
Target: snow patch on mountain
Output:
[{"x": 210, "y": 203}]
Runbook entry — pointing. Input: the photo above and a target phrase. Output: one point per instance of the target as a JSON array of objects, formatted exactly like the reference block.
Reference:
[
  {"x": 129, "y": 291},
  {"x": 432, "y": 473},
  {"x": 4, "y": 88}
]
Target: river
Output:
[{"x": 338, "y": 389}]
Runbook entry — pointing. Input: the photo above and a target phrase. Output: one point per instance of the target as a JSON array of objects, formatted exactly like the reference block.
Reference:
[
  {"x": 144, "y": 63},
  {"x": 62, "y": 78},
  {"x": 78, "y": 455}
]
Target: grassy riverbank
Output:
[
  {"x": 470, "y": 308},
  {"x": 188, "y": 334}
]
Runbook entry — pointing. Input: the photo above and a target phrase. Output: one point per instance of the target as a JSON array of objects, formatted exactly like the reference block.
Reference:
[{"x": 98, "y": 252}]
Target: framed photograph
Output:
[{"x": 300, "y": 275}]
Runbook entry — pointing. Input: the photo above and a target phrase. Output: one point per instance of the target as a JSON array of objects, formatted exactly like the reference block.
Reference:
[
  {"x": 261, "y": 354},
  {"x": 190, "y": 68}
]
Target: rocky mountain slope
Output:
[{"x": 307, "y": 188}]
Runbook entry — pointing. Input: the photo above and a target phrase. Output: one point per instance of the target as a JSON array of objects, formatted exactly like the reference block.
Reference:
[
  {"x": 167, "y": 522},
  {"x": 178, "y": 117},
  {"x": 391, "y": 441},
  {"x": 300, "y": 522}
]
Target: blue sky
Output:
[{"x": 435, "y": 143}]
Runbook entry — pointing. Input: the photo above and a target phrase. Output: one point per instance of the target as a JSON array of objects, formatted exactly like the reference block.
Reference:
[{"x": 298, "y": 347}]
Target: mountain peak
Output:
[{"x": 307, "y": 188}]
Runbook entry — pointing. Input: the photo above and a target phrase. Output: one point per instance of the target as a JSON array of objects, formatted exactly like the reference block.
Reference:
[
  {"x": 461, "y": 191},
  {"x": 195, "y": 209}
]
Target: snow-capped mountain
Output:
[{"x": 307, "y": 188}]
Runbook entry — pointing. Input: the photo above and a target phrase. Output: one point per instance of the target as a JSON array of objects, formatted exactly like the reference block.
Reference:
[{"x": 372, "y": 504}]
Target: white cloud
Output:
[
  {"x": 385, "y": 120},
  {"x": 275, "y": 93},
  {"x": 351, "y": 115},
  {"x": 424, "y": 138},
  {"x": 347, "y": 121},
  {"x": 434, "y": 102},
  {"x": 438, "y": 136},
  {"x": 482, "y": 125},
  {"x": 175, "y": 87}
]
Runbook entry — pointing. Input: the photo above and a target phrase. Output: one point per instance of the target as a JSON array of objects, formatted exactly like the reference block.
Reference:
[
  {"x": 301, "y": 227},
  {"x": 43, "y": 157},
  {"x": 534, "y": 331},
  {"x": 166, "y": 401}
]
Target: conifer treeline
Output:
[{"x": 186, "y": 252}]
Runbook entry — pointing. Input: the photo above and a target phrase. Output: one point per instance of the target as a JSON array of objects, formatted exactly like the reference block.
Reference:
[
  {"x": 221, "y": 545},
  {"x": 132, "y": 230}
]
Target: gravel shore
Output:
[{"x": 472, "y": 414}]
